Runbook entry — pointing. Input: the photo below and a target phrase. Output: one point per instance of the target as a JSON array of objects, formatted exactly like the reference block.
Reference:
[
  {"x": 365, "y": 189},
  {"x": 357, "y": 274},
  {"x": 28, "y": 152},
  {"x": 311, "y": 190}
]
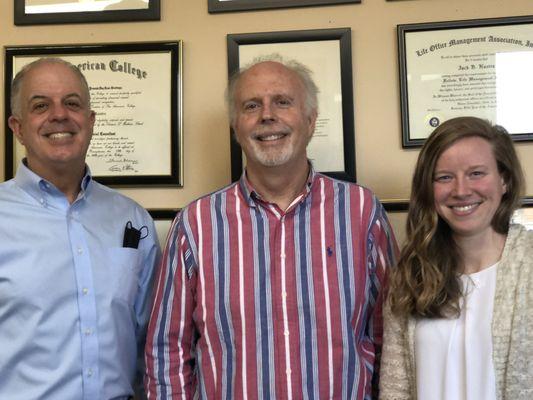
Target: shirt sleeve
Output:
[
  {"x": 383, "y": 253},
  {"x": 170, "y": 345},
  {"x": 395, "y": 381}
]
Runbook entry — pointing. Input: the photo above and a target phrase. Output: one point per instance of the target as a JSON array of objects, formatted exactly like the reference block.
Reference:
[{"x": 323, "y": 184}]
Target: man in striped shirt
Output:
[{"x": 272, "y": 287}]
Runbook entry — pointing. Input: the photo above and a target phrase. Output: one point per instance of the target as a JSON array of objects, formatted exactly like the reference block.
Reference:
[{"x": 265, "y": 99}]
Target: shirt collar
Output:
[
  {"x": 34, "y": 185},
  {"x": 251, "y": 195}
]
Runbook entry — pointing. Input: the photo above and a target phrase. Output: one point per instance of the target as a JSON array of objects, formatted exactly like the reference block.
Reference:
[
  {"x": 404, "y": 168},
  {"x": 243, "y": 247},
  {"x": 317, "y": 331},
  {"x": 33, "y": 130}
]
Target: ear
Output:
[
  {"x": 16, "y": 126},
  {"x": 312, "y": 122},
  {"x": 504, "y": 185}
]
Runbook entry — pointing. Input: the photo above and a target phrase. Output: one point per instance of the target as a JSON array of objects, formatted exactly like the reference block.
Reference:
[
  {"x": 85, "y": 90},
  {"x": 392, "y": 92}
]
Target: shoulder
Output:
[
  {"x": 207, "y": 199},
  {"x": 519, "y": 238},
  {"x": 116, "y": 202},
  {"x": 188, "y": 216},
  {"x": 11, "y": 195},
  {"x": 7, "y": 188},
  {"x": 517, "y": 258},
  {"x": 349, "y": 188}
]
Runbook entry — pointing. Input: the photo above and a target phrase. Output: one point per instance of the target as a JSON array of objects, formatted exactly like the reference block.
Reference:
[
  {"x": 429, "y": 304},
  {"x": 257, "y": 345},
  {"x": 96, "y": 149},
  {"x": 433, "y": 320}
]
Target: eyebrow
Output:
[
  {"x": 259, "y": 98},
  {"x": 469, "y": 168},
  {"x": 40, "y": 97}
]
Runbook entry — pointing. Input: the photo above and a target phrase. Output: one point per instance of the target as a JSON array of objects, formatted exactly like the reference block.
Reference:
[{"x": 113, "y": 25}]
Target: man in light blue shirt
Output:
[{"x": 74, "y": 301}]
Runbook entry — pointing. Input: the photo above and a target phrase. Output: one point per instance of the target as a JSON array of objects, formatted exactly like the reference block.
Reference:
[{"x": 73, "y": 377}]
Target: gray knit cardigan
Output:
[{"x": 512, "y": 330}]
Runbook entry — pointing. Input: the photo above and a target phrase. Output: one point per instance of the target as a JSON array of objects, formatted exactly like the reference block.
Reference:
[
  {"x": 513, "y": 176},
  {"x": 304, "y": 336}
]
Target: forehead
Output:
[
  {"x": 472, "y": 150},
  {"x": 269, "y": 78},
  {"x": 51, "y": 79}
]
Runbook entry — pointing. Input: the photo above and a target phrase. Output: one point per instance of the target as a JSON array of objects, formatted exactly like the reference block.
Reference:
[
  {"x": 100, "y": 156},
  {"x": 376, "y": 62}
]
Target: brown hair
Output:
[{"x": 425, "y": 282}]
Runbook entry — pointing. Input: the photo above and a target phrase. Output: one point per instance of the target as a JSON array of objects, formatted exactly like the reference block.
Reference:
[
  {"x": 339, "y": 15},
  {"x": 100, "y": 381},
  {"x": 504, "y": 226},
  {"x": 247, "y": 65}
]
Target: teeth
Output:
[
  {"x": 464, "y": 208},
  {"x": 59, "y": 135},
  {"x": 270, "y": 137}
]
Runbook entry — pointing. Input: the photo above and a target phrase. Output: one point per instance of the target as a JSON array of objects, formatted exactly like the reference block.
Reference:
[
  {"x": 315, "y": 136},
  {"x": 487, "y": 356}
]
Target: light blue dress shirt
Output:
[{"x": 74, "y": 303}]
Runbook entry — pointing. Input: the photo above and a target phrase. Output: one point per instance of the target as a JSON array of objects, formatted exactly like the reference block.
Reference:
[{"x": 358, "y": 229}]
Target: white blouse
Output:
[{"x": 454, "y": 356}]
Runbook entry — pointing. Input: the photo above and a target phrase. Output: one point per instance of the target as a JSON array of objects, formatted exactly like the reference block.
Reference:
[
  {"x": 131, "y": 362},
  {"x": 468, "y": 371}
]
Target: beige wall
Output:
[{"x": 382, "y": 164}]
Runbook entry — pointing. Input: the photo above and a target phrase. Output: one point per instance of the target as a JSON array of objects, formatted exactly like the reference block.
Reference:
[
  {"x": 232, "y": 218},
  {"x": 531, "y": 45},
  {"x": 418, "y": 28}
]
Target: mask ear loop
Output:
[{"x": 144, "y": 229}]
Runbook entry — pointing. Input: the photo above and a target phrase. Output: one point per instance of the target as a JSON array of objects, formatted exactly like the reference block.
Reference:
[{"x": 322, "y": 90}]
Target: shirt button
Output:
[
  {"x": 284, "y": 295},
  {"x": 79, "y": 250},
  {"x": 288, "y": 371},
  {"x": 90, "y": 372},
  {"x": 88, "y": 331},
  {"x": 282, "y": 255},
  {"x": 286, "y": 333},
  {"x": 85, "y": 290}
]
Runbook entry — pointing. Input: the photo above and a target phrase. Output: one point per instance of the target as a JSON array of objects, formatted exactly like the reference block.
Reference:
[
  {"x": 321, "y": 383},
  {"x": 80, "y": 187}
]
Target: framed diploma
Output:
[
  {"x": 215, "y": 6},
  {"x": 34, "y": 12},
  {"x": 136, "y": 93},
  {"x": 476, "y": 67},
  {"x": 327, "y": 53}
]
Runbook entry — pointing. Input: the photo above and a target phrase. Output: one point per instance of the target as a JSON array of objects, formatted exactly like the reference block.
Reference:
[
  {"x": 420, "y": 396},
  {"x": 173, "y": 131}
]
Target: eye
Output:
[
  {"x": 284, "y": 102},
  {"x": 477, "y": 174},
  {"x": 250, "y": 106},
  {"x": 39, "y": 107},
  {"x": 73, "y": 104},
  {"x": 442, "y": 178}
]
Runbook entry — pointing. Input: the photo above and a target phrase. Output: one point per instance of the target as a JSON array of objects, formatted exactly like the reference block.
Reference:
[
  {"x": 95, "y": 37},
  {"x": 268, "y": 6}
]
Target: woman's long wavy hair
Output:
[{"x": 425, "y": 282}]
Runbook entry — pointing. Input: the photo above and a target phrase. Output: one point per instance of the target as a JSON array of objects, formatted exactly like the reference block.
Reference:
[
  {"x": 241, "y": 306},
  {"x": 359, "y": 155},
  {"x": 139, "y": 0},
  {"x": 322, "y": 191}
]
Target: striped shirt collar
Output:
[{"x": 252, "y": 196}]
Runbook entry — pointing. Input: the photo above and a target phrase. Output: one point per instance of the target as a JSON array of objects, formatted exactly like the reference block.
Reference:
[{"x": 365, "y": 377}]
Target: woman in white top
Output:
[{"x": 459, "y": 317}]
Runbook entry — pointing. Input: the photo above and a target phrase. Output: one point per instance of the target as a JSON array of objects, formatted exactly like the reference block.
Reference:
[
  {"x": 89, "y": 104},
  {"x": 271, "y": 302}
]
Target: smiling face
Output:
[
  {"x": 468, "y": 187},
  {"x": 55, "y": 123},
  {"x": 271, "y": 122}
]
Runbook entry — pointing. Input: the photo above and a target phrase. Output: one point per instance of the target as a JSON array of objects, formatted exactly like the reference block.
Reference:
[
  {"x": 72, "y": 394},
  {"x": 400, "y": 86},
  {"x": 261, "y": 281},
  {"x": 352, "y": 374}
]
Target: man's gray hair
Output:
[
  {"x": 304, "y": 73},
  {"x": 16, "y": 84}
]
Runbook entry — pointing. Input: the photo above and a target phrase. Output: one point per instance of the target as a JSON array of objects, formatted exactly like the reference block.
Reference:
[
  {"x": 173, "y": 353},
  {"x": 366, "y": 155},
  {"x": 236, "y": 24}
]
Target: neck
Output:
[
  {"x": 276, "y": 185},
  {"x": 481, "y": 251},
  {"x": 67, "y": 179}
]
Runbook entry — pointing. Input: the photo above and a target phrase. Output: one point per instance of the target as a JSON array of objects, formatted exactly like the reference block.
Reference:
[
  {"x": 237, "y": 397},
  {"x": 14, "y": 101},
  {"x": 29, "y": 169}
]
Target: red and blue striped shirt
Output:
[{"x": 253, "y": 302}]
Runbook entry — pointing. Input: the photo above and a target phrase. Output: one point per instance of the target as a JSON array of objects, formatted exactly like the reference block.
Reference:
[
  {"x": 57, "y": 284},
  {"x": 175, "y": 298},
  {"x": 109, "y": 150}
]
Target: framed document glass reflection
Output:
[
  {"x": 327, "y": 53},
  {"x": 477, "y": 67},
  {"x": 136, "y": 92},
  {"x": 33, "y": 12}
]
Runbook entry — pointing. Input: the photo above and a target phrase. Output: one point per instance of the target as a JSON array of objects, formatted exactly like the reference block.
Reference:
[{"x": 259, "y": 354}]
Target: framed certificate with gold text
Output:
[
  {"x": 136, "y": 93},
  {"x": 476, "y": 67}
]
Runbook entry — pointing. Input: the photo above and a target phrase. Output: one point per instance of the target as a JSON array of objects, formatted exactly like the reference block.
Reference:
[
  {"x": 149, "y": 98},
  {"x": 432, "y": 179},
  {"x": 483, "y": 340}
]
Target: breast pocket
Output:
[{"x": 124, "y": 269}]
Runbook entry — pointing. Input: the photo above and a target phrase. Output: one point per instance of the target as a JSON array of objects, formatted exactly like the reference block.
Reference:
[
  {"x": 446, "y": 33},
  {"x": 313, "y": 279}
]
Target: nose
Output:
[
  {"x": 461, "y": 188},
  {"x": 58, "y": 112},
  {"x": 267, "y": 113}
]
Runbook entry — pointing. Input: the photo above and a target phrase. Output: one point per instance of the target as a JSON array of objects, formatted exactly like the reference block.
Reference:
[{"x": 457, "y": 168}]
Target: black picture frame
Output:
[
  {"x": 171, "y": 125},
  {"x": 340, "y": 35},
  {"x": 21, "y": 17},
  {"x": 163, "y": 218},
  {"x": 218, "y": 6},
  {"x": 501, "y": 34}
]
